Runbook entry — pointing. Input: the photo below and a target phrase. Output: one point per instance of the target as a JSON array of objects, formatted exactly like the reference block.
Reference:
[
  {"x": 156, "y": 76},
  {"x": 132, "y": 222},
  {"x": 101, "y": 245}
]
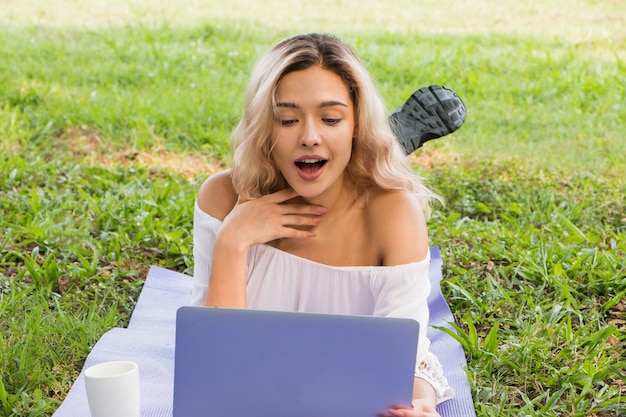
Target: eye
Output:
[
  {"x": 288, "y": 122},
  {"x": 331, "y": 121}
]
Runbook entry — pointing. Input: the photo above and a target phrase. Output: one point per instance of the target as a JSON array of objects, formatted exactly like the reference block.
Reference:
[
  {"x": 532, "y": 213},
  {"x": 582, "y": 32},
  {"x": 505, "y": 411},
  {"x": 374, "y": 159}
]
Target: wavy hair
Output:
[{"x": 377, "y": 159}]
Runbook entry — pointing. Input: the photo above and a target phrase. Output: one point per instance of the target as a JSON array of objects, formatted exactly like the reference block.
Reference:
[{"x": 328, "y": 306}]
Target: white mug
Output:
[{"x": 113, "y": 389}]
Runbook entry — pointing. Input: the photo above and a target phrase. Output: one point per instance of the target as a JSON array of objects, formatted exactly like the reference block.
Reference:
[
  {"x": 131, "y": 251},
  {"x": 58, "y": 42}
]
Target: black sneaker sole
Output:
[{"x": 430, "y": 113}]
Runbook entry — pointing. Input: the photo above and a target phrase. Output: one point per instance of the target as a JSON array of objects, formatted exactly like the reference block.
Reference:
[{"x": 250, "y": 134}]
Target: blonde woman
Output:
[{"x": 321, "y": 211}]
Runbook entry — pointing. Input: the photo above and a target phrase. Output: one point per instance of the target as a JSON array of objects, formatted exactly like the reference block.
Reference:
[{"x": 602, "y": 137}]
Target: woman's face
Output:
[{"x": 312, "y": 136}]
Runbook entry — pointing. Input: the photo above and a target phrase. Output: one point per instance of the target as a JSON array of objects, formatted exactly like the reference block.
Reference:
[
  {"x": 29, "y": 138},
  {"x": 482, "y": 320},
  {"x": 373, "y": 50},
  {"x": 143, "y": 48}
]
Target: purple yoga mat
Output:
[{"x": 149, "y": 341}]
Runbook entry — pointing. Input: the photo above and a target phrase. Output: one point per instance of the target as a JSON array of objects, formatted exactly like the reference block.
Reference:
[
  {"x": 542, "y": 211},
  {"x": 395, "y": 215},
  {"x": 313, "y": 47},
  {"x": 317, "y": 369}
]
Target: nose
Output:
[{"x": 310, "y": 135}]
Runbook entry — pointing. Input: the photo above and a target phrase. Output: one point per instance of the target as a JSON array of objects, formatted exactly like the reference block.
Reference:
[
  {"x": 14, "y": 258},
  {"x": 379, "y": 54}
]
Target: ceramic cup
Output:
[{"x": 113, "y": 389}]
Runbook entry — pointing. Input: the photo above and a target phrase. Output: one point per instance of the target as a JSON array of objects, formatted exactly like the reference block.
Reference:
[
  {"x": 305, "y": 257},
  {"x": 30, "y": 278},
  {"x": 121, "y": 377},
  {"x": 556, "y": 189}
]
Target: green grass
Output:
[{"x": 111, "y": 115}]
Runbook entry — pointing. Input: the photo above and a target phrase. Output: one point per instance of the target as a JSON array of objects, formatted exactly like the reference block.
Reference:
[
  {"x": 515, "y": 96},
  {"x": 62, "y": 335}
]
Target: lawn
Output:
[{"x": 113, "y": 113}]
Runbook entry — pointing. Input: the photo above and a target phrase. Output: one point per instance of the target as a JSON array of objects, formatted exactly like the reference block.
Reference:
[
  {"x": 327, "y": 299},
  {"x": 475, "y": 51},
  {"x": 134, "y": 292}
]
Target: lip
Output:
[{"x": 310, "y": 174}]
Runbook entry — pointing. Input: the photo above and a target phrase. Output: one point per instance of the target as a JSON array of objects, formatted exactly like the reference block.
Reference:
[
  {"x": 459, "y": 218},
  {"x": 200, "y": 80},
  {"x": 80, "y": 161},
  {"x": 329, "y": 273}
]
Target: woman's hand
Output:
[
  {"x": 254, "y": 222},
  {"x": 421, "y": 408},
  {"x": 266, "y": 218},
  {"x": 424, "y": 402}
]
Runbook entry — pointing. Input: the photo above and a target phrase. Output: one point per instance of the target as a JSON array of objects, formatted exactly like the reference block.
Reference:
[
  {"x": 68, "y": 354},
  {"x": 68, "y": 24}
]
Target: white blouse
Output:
[{"x": 278, "y": 280}]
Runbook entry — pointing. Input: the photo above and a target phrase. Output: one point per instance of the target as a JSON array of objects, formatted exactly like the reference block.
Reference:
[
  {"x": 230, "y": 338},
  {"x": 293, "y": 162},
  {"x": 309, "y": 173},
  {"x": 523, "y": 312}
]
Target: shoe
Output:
[{"x": 430, "y": 113}]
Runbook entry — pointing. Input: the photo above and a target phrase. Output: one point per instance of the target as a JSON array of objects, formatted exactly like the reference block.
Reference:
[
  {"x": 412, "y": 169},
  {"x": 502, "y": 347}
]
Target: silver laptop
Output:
[{"x": 241, "y": 363}]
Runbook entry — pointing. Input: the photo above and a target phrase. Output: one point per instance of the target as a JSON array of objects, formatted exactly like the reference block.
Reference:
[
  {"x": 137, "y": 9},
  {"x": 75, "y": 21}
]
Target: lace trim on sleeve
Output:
[{"x": 429, "y": 369}]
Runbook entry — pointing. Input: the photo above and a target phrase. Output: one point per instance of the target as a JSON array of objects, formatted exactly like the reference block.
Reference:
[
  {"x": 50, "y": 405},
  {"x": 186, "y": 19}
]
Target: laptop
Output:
[{"x": 237, "y": 362}]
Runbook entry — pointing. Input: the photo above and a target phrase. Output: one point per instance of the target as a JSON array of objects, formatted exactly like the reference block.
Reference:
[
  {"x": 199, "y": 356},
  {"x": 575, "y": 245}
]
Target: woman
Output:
[{"x": 321, "y": 211}]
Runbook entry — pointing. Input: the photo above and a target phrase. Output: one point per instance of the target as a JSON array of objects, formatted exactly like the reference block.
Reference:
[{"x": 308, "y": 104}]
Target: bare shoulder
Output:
[
  {"x": 397, "y": 223},
  {"x": 217, "y": 197}
]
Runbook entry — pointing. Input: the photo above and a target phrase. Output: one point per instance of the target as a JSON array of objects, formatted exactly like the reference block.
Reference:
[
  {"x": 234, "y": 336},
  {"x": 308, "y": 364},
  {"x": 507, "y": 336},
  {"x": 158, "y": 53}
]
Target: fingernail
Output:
[{"x": 322, "y": 210}]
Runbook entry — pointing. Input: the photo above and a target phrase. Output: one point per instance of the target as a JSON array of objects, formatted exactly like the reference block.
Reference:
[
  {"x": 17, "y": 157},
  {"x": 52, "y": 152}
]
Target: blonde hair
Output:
[{"x": 377, "y": 160}]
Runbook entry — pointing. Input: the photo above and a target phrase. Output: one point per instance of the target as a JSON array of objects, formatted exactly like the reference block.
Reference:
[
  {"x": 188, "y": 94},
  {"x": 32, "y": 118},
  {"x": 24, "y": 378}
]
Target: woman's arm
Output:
[
  {"x": 244, "y": 224},
  {"x": 400, "y": 229}
]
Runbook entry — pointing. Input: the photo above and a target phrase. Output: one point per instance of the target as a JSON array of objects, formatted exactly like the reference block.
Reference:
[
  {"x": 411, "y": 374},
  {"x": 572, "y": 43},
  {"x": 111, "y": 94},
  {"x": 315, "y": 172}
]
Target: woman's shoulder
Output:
[
  {"x": 216, "y": 196},
  {"x": 397, "y": 222}
]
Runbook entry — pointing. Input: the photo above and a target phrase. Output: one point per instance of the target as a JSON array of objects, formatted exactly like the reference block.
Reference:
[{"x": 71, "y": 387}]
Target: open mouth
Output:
[{"x": 310, "y": 165}]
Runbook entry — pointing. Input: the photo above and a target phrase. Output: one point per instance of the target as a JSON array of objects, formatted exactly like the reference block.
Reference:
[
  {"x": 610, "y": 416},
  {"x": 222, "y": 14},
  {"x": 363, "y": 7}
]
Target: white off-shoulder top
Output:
[{"x": 278, "y": 280}]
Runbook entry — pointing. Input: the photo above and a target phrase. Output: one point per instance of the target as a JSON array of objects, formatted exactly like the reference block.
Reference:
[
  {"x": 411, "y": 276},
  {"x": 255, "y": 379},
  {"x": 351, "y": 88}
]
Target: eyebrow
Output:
[{"x": 330, "y": 103}]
